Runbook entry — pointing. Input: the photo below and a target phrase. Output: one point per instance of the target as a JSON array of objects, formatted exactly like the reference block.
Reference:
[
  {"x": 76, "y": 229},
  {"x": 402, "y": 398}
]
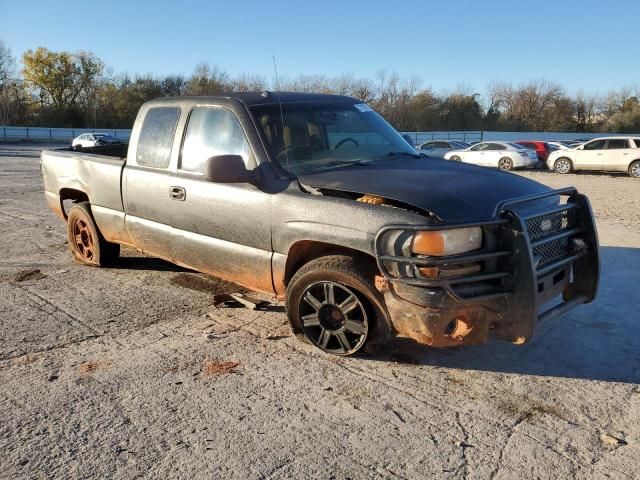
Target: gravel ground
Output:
[{"x": 132, "y": 372}]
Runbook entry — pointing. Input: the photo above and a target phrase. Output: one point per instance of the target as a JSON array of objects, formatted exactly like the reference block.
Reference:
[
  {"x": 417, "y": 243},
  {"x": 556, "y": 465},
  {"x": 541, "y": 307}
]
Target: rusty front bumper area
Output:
[{"x": 535, "y": 252}]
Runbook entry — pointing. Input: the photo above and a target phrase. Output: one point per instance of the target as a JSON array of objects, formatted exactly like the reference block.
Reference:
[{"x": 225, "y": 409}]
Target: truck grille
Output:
[{"x": 547, "y": 225}]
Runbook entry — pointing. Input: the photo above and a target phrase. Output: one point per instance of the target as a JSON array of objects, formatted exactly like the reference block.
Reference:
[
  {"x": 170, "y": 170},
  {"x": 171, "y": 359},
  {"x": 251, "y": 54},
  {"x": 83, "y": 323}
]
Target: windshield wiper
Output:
[
  {"x": 398, "y": 154},
  {"x": 343, "y": 163}
]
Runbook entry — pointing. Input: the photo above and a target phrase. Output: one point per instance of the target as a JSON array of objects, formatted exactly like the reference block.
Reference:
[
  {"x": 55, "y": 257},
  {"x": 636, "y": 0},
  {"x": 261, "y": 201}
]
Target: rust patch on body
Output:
[{"x": 438, "y": 327}]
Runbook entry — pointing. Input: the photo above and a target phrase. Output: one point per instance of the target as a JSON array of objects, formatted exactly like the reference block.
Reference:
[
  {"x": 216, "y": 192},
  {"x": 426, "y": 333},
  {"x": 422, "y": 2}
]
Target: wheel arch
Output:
[
  {"x": 303, "y": 251},
  {"x": 73, "y": 194},
  {"x": 567, "y": 158}
]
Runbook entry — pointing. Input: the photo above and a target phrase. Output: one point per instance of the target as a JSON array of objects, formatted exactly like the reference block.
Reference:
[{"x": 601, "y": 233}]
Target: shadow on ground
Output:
[{"x": 598, "y": 341}]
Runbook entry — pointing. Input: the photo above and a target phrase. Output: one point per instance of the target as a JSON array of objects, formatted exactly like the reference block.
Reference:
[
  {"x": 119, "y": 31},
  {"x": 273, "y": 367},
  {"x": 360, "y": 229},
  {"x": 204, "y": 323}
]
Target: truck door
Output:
[
  {"x": 147, "y": 182},
  {"x": 221, "y": 229}
]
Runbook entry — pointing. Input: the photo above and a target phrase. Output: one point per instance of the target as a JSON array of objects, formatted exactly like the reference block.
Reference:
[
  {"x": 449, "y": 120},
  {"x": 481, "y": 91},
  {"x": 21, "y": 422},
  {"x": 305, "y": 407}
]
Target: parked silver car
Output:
[{"x": 438, "y": 148}]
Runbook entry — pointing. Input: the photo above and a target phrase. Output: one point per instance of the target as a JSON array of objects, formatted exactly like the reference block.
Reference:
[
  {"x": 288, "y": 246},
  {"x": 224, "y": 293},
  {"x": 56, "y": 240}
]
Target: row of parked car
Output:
[{"x": 611, "y": 154}]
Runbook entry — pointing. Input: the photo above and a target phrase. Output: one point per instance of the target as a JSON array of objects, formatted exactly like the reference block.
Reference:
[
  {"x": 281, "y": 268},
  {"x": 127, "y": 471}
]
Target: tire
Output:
[
  {"x": 562, "y": 166},
  {"x": 505, "y": 163},
  {"x": 85, "y": 240},
  {"x": 77, "y": 148},
  {"x": 332, "y": 304},
  {"x": 455, "y": 158},
  {"x": 634, "y": 169}
]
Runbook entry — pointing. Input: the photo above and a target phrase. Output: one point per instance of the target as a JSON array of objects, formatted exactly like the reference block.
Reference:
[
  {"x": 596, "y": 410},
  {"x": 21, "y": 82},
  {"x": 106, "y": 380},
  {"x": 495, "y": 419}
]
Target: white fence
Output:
[
  {"x": 58, "y": 135},
  {"x": 40, "y": 134}
]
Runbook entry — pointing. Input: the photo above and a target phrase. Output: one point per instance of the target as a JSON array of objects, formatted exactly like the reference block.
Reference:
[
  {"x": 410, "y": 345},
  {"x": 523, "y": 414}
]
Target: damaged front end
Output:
[{"x": 538, "y": 258}]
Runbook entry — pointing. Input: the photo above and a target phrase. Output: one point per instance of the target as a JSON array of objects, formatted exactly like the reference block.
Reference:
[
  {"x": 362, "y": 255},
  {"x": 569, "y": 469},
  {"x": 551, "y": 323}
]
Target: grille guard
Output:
[{"x": 518, "y": 266}]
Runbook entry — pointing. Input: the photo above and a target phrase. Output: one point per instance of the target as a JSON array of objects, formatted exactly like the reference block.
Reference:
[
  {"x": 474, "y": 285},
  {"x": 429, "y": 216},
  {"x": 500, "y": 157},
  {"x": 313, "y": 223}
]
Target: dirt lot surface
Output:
[{"x": 132, "y": 372}]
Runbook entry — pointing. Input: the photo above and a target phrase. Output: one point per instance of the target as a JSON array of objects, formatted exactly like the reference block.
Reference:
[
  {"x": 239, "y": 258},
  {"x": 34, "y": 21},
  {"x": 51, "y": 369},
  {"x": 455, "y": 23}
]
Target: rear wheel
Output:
[
  {"x": 634, "y": 169},
  {"x": 455, "y": 158},
  {"x": 505, "y": 163},
  {"x": 85, "y": 240},
  {"x": 562, "y": 166},
  {"x": 332, "y": 304}
]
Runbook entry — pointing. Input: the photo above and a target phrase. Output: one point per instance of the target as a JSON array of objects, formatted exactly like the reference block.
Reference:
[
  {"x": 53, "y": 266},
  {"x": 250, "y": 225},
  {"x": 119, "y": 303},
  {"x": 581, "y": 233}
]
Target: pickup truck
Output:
[{"x": 316, "y": 199}]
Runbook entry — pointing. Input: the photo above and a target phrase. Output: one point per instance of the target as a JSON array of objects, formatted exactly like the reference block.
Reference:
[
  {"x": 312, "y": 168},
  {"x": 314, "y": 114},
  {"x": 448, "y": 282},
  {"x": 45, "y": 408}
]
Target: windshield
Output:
[{"x": 310, "y": 137}]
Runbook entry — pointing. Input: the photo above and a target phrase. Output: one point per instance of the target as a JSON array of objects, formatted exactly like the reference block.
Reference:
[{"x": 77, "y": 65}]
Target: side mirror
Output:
[
  {"x": 408, "y": 139},
  {"x": 227, "y": 169}
]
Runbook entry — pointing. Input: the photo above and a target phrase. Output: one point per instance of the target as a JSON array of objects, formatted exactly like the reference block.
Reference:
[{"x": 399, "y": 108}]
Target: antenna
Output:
[{"x": 275, "y": 69}]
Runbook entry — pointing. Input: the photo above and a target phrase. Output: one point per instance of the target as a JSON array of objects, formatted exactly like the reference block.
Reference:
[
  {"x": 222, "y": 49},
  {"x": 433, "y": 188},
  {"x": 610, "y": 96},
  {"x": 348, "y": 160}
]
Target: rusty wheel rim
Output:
[{"x": 83, "y": 240}]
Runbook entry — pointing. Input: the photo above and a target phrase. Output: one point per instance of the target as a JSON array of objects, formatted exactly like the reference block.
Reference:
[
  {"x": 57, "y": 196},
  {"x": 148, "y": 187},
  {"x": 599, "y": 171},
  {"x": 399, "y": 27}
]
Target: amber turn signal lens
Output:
[
  {"x": 429, "y": 243},
  {"x": 447, "y": 242}
]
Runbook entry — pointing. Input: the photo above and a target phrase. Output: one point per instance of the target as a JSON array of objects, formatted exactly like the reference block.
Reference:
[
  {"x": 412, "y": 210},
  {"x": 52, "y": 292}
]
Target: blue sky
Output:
[{"x": 589, "y": 45}]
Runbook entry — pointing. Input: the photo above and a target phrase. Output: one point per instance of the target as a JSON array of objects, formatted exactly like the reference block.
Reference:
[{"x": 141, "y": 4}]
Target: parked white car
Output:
[
  {"x": 88, "y": 140},
  {"x": 438, "y": 148},
  {"x": 611, "y": 154},
  {"x": 503, "y": 155}
]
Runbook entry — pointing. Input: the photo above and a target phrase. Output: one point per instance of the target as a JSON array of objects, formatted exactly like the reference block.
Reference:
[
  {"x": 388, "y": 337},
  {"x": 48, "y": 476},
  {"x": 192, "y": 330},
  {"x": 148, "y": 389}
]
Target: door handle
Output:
[{"x": 177, "y": 193}]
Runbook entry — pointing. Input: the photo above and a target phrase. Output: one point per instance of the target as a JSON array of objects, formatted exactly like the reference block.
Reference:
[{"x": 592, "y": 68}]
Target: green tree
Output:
[{"x": 60, "y": 77}]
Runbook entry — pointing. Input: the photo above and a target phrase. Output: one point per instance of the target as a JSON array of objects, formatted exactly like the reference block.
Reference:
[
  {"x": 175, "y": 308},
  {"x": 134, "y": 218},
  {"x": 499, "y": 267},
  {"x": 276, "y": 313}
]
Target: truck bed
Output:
[{"x": 67, "y": 173}]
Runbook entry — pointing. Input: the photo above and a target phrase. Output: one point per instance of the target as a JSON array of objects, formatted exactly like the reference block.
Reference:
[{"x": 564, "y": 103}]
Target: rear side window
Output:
[
  {"x": 156, "y": 137},
  {"x": 210, "y": 132},
  {"x": 617, "y": 143},
  {"x": 637, "y": 140}
]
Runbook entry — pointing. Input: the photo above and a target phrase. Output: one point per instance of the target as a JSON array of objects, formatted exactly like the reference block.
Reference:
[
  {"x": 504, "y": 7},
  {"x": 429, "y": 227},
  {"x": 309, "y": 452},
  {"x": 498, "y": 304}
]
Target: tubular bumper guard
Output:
[{"x": 529, "y": 257}]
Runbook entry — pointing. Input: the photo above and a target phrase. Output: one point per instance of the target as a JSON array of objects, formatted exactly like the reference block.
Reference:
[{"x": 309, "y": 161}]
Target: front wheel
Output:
[
  {"x": 505, "y": 163},
  {"x": 634, "y": 169},
  {"x": 455, "y": 158},
  {"x": 562, "y": 166},
  {"x": 85, "y": 240},
  {"x": 332, "y": 304}
]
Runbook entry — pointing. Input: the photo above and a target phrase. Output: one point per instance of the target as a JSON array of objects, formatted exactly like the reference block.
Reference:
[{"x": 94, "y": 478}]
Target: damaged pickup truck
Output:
[{"x": 316, "y": 199}]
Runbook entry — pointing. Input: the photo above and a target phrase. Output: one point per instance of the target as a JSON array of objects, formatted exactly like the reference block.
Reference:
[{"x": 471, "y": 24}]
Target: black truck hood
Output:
[{"x": 455, "y": 192}]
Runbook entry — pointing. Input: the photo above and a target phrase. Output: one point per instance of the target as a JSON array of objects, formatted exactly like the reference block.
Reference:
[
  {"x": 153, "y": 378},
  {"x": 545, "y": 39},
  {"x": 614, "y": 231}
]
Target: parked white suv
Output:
[
  {"x": 611, "y": 154},
  {"x": 504, "y": 155}
]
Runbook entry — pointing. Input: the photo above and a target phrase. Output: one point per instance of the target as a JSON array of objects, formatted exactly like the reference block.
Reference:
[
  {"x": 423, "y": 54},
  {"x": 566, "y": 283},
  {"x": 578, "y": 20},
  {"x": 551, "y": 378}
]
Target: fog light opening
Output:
[
  {"x": 458, "y": 329},
  {"x": 451, "y": 327}
]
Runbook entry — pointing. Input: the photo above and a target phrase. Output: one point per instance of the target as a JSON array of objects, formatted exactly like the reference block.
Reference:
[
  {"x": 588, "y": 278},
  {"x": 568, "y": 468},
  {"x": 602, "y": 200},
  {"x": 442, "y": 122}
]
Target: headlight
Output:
[{"x": 447, "y": 242}]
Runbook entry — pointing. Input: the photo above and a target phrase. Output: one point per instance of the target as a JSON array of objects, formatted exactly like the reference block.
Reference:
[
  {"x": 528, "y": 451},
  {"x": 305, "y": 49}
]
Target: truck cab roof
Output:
[{"x": 258, "y": 98}]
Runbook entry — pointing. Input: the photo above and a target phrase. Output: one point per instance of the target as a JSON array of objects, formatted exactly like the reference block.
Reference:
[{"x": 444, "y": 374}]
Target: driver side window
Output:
[
  {"x": 595, "y": 145},
  {"x": 210, "y": 132},
  {"x": 479, "y": 147}
]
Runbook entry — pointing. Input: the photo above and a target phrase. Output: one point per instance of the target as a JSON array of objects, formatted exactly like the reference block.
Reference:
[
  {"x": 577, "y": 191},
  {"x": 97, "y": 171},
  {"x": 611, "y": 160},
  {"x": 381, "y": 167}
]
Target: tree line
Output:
[{"x": 75, "y": 89}]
